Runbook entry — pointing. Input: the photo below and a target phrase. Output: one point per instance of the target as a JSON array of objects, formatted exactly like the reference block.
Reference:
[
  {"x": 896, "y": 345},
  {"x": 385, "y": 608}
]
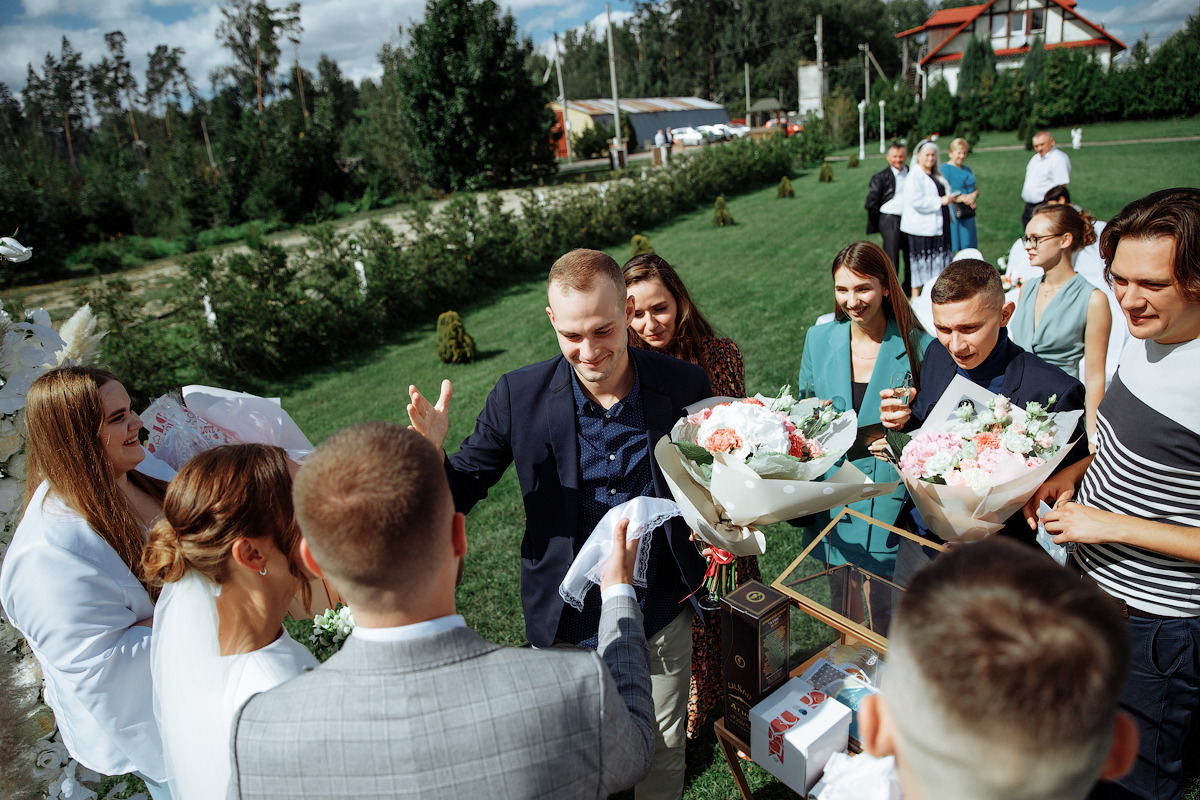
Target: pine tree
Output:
[{"x": 471, "y": 108}]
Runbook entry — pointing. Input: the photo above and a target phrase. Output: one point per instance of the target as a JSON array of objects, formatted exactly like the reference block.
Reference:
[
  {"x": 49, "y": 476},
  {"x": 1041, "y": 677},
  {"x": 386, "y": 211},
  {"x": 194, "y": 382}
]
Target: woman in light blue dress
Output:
[
  {"x": 962, "y": 183},
  {"x": 1061, "y": 317}
]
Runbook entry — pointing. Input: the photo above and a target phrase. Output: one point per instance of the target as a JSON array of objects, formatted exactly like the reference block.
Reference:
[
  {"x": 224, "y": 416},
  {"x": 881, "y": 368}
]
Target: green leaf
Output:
[
  {"x": 897, "y": 440},
  {"x": 694, "y": 453}
]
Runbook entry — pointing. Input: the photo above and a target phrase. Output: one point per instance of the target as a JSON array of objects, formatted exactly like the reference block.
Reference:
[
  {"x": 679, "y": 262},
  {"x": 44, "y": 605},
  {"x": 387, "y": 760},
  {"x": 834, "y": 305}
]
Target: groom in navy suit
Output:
[
  {"x": 971, "y": 319},
  {"x": 580, "y": 429}
]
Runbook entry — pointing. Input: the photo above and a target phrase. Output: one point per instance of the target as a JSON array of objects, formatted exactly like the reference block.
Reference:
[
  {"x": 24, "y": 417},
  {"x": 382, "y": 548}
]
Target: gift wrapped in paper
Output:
[
  {"x": 965, "y": 496},
  {"x": 724, "y": 500}
]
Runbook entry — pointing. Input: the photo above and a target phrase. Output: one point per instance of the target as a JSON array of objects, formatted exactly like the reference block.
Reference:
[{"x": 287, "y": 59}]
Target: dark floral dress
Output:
[{"x": 722, "y": 360}]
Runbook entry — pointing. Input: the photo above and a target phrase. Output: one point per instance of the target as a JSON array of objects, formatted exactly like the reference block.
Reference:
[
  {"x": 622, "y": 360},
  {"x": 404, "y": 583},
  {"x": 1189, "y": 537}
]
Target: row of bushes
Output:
[{"x": 262, "y": 314}]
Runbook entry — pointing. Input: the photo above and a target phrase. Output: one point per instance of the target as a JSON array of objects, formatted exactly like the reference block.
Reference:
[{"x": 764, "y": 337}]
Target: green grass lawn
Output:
[{"x": 762, "y": 282}]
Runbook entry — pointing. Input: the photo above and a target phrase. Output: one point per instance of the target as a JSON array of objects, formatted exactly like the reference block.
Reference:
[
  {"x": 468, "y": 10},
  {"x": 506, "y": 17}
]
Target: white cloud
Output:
[{"x": 1158, "y": 18}]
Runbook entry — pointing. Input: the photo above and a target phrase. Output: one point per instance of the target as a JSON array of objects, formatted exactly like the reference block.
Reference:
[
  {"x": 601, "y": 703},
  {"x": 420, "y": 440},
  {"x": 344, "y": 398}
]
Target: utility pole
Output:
[
  {"x": 563, "y": 94},
  {"x": 746, "y": 65},
  {"x": 612, "y": 71},
  {"x": 866, "y": 50},
  {"x": 821, "y": 63},
  {"x": 300, "y": 81}
]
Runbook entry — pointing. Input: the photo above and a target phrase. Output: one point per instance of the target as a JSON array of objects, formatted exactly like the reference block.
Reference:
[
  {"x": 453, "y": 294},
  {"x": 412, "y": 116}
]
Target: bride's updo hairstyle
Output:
[
  {"x": 63, "y": 418},
  {"x": 237, "y": 491}
]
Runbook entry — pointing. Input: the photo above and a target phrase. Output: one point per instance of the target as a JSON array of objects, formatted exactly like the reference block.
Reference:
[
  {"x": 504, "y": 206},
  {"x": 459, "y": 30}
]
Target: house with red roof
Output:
[{"x": 1010, "y": 25}]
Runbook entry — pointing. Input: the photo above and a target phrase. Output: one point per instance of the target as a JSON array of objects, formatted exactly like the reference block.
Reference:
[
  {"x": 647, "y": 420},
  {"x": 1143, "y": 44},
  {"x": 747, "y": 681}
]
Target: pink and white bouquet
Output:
[
  {"x": 736, "y": 463},
  {"x": 979, "y": 458}
]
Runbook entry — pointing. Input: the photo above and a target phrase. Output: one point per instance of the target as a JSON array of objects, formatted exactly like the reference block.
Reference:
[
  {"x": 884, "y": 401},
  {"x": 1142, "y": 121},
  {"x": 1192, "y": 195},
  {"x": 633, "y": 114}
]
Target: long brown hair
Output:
[
  {"x": 237, "y": 491},
  {"x": 868, "y": 260},
  {"x": 691, "y": 328},
  {"x": 63, "y": 416}
]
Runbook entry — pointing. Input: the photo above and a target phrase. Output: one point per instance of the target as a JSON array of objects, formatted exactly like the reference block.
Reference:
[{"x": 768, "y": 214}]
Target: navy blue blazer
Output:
[
  {"x": 1027, "y": 378},
  {"x": 529, "y": 420}
]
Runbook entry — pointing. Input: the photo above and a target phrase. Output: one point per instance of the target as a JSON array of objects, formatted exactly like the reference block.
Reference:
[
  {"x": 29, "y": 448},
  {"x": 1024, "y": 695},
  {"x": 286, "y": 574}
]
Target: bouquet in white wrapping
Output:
[
  {"x": 978, "y": 459},
  {"x": 735, "y": 464}
]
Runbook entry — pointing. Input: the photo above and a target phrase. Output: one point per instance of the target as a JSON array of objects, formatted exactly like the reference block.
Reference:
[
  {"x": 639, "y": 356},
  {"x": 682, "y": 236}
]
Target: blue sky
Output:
[{"x": 352, "y": 31}]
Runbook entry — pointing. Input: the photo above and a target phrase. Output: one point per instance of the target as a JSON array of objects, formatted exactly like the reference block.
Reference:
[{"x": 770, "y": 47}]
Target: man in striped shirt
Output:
[{"x": 1135, "y": 523}]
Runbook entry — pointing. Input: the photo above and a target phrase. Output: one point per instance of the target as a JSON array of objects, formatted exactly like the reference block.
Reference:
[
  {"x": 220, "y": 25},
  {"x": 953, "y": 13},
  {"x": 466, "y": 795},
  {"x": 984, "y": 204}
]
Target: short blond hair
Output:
[
  {"x": 369, "y": 501},
  {"x": 959, "y": 143},
  {"x": 1017, "y": 656}
]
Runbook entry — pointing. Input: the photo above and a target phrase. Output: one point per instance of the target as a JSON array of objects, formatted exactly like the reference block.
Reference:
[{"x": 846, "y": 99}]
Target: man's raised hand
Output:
[{"x": 430, "y": 420}]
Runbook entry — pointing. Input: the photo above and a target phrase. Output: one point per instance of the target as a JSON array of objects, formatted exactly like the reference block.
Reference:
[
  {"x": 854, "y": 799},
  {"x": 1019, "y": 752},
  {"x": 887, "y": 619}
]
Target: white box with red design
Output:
[{"x": 795, "y": 730}]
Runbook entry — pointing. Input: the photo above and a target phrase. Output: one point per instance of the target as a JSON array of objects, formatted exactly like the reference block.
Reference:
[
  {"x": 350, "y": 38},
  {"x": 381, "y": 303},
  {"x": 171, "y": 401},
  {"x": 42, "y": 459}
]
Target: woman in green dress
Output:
[
  {"x": 1061, "y": 316},
  {"x": 851, "y": 361}
]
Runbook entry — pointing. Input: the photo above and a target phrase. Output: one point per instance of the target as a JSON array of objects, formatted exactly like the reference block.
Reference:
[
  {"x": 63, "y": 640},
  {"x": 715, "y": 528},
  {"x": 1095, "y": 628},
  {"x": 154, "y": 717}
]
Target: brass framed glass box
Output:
[{"x": 851, "y": 599}]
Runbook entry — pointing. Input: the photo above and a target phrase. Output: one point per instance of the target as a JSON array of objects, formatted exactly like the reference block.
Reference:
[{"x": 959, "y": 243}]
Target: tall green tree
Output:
[
  {"x": 471, "y": 108},
  {"x": 978, "y": 63}
]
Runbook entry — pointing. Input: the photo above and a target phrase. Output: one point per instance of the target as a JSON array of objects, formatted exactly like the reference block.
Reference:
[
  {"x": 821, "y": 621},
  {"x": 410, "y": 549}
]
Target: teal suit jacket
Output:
[{"x": 825, "y": 366}]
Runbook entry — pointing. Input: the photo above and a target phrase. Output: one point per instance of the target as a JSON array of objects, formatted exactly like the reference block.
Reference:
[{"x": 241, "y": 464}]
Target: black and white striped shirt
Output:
[{"x": 1147, "y": 465}]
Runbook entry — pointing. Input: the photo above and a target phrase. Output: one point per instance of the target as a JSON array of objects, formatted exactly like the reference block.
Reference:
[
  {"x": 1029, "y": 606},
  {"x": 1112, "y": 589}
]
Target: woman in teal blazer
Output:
[{"x": 850, "y": 361}]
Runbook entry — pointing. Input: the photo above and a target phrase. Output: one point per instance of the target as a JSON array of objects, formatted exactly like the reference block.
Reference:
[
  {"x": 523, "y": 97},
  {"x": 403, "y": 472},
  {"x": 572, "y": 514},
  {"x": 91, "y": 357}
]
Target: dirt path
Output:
[{"x": 154, "y": 278}]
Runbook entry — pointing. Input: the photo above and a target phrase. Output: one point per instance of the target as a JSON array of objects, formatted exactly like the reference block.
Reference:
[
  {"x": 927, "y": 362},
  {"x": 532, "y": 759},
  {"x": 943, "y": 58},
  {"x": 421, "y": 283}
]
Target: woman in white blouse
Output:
[
  {"x": 225, "y": 555},
  {"x": 72, "y": 575},
  {"x": 926, "y": 216}
]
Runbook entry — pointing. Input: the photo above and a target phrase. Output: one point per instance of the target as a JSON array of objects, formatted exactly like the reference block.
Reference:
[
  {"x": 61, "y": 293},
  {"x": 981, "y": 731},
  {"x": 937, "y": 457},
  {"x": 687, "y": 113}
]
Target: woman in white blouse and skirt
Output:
[{"x": 926, "y": 216}]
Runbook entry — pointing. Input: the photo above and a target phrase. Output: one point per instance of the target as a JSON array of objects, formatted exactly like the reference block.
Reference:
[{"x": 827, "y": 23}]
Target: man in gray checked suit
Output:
[{"x": 416, "y": 704}]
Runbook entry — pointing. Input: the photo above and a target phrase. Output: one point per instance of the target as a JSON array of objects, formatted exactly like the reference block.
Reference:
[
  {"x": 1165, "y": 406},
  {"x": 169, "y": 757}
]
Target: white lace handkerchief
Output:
[{"x": 644, "y": 515}]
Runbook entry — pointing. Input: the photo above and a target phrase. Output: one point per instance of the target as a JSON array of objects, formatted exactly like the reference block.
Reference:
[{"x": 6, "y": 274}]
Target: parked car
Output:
[
  {"x": 688, "y": 136},
  {"x": 792, "y": 127},
  {"x": 735, "y": 130},
  {"x": 715, "y": 132}
]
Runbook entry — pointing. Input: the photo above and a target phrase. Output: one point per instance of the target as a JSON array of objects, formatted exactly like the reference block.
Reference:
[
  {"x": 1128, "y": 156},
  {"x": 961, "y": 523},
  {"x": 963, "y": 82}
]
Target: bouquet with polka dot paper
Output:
[{"x": 736, "y": 463}]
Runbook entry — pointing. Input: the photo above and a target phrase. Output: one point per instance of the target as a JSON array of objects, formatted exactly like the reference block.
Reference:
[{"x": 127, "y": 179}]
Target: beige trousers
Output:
[{"x": 670, "y": 678}]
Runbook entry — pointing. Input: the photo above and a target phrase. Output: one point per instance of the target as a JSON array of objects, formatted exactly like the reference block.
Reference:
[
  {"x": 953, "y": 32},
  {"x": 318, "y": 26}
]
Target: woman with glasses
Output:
[{"x": 1061, "y": 317}]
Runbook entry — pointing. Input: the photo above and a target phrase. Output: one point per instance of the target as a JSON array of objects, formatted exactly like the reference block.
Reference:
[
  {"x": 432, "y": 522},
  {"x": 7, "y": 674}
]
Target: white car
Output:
[
  {"x": 736, "y": 131},
  {"x": 688, "y": 136}
]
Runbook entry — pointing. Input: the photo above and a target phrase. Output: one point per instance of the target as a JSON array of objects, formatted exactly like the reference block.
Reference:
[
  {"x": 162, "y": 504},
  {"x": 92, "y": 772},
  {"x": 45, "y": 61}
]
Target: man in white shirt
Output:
[
  {"x": 416, "y": 704},
  {"x": 885, "y": 204},
  {"x": 1048, "y": 168}
]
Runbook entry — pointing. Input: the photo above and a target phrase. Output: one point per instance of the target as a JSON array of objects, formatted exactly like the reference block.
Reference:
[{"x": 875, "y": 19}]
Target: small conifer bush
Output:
[
  {"x": 853, "y": 162},
  {"x": 785, "y": 188},
  {"x": 641, "y": 245},
  {"x": 721, "y": 215},
  {"x": 826, "y": 175},
  {"x": 454, "y": 344}
]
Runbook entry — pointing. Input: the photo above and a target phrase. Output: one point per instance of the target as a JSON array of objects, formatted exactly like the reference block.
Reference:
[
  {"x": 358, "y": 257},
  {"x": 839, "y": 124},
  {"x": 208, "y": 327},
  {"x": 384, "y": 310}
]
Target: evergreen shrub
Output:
[{"x": 454, "y": 344}]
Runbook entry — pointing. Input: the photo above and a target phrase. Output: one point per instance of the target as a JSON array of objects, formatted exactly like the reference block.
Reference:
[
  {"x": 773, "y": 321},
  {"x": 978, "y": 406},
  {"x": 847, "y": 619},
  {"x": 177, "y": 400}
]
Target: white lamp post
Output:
[
  {"x": 862, "y": 131},
  {"x": 882, "y": 135}
]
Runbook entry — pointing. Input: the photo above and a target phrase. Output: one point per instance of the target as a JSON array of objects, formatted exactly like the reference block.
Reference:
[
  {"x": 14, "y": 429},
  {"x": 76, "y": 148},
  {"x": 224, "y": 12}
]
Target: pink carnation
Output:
[
  {"x": 1033, "y": 462},
  {"x": 723, "y": 440},
  {"x": 702, "y": 415},
  {"x": 754, "y": 401},
  {"x": 804, "y": 449}
]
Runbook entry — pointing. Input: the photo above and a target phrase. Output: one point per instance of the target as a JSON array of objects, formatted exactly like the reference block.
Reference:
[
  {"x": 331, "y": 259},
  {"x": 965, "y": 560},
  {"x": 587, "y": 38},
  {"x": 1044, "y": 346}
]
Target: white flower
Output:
[
  {"x": 977, "y": 479},
  {"x": 13, "y": 250},
  {"x": 79, "y": 337},
  {"x": 18, "y": 466},
  {"x": 1015, "y": 442},
  {"x": 12, "y": 393},
  {"x": 940, "y": 463},
  {"x": 10, "y": 494},
  {"x": 12, "y": 439},
  {"x": 759, "y": 428},
  {"x": 50, "y": 758}
]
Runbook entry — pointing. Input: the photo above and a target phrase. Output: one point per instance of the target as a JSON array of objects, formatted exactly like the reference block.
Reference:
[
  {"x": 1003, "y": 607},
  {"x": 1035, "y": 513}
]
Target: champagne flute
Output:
[{"x": 901, "y": 386}]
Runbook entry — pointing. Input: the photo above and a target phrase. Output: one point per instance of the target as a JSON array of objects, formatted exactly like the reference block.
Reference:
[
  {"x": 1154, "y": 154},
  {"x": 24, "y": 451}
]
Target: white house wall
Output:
[{"x": 1009, "y": 24}]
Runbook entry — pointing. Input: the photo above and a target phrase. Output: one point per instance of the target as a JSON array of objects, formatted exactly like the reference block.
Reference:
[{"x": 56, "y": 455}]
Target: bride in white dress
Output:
[{"x": 225, "y": 554}]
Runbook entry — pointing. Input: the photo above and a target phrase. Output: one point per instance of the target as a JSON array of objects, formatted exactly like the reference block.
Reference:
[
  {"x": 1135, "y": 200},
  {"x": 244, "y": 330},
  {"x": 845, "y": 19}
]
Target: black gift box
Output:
[{"x": 754, "y": 650}]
